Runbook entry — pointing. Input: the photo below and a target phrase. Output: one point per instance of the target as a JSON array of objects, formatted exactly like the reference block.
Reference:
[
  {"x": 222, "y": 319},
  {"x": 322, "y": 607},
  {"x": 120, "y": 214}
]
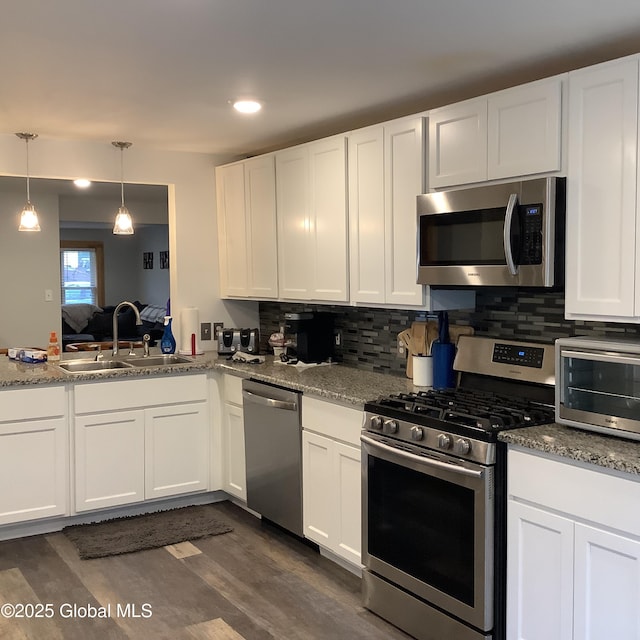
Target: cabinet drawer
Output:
[
  {"x": 583, "y": 491},
  {"x": 233, "y": 389},
  {"x": 27, "y": 404},
  {"x": 332, "y": 420},
  {"x": 129, "y": 393}
]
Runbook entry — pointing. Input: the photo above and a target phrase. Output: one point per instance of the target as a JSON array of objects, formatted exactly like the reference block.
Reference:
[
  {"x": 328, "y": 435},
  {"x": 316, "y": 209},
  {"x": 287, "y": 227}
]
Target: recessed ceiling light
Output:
[
  {"x": 82, "y": 183},
  {"x": 247, "y": 106}
]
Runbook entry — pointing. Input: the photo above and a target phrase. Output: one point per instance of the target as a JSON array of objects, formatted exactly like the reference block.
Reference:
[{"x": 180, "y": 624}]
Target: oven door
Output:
[{"x": 428, "y": 526}]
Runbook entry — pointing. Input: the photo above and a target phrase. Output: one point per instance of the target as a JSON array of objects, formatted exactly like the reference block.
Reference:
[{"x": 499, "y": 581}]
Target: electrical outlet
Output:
[
  {"x": 217, "y": 327},
  {"x": 205, "y": 331},
  {"x": 401, "y": 349},
  {"x": 337, "y": 338}
]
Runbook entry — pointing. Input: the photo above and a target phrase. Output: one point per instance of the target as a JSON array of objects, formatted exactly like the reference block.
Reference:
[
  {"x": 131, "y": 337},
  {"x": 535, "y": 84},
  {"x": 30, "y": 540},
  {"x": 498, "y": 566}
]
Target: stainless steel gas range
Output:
[{"x": 434, "y": 491}]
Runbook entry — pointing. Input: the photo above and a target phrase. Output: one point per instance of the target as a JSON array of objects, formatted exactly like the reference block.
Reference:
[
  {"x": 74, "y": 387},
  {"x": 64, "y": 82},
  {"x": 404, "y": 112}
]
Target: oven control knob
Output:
[
  {"x": 376, "y": 422},
  {"x": 391, "y": 426},
  {"x": 444, "y": 441},
  {"x": 462, "y": 446},
  {"x": 417, "y": 433}
]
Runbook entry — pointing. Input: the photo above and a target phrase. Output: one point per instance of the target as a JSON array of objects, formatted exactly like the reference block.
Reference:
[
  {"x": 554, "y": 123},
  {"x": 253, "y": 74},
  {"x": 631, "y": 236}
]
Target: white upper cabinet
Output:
[
  {"x": 602, "y": 280},
  {"x": 458, "y": 144},
  {"x": 311, "y": 196},
  {"x": 386, "y": 173},
  {"x": 509, "y": 133},
  {"x": 247, "y": 244}
]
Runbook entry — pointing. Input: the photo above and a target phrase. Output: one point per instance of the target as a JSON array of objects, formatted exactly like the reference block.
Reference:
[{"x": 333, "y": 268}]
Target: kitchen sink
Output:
[
  {"x": 157, "y": 361},
  {"x": 92, "y": 366}
]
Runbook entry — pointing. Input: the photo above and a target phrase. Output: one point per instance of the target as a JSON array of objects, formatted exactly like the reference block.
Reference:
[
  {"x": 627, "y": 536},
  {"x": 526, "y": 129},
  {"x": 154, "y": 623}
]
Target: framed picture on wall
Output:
[
  {"x": 164, "y": 259},
  {"x": 147, "y": 260}
]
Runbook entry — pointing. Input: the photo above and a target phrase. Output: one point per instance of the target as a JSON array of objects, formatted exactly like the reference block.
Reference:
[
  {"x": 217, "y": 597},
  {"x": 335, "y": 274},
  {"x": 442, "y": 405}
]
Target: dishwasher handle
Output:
[{"x": 265, "y": 401}]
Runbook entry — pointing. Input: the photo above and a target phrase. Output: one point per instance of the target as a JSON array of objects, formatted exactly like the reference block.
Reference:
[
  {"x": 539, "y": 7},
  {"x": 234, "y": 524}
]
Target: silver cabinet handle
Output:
[
  {"x": 269, "y": 402},
  {"x": 506, "y": 234}
]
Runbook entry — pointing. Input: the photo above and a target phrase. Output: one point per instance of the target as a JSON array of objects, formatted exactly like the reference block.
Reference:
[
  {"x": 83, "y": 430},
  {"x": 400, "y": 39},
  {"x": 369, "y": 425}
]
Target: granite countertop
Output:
[
  {"x": 605, "y": 451},
  {"x": 347, "y": 385},
  {"x": 335, "y": 382}
]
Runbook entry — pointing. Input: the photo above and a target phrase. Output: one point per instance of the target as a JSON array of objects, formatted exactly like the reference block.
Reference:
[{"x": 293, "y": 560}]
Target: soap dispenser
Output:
[
  {"x": 167, "y": 342},
  {"x": 53, "y": 350}
]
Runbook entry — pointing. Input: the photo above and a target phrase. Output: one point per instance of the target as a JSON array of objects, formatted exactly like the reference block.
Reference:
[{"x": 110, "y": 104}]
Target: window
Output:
[{"x": 81, "y": 272}]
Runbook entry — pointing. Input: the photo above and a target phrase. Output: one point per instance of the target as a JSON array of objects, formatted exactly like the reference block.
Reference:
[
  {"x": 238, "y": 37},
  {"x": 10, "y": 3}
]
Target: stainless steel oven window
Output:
[{"x": 428, "y": 526}]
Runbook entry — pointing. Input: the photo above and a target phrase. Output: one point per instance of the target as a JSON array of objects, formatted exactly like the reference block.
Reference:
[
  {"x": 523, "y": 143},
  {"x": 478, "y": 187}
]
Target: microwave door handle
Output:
[{"x": 506, "y": 234}]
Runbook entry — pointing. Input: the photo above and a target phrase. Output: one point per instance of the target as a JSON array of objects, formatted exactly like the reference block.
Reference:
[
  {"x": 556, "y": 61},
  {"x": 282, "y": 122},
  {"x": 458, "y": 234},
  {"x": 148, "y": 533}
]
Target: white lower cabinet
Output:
[
  {"x": 332, "y": 477},
  {"x": 234, "y": 466},
  {"x": 570, "y": 575},
  {"x": 137, "y": 440},
  {"x": 34, "y": 464}
]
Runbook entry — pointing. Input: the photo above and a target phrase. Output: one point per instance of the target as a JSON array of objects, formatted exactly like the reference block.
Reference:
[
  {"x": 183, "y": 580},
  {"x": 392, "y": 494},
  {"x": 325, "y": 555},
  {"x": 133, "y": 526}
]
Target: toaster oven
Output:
[{"x": 598, "y": 385}]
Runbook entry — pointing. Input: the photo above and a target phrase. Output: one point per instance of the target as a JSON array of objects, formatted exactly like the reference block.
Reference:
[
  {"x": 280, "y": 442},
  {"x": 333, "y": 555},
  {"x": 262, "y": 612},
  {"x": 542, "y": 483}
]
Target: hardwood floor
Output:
[{"x": 254, "y": 583}]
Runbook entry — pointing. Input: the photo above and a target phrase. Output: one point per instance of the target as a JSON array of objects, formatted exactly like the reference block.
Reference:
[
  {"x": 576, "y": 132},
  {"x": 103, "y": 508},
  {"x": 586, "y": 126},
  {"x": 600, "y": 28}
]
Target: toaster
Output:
[{"x": 232, "y": 340}]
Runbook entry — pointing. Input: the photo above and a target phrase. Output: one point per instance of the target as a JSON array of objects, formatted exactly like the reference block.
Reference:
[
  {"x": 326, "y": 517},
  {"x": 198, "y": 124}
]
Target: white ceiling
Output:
[{"x": 161, "y": 73}]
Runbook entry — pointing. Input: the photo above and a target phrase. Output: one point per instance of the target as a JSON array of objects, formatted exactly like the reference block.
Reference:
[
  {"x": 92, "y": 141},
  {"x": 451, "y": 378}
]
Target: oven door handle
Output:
[
  {"x": 600, "y": 357},
  {"x": 423, "y": 460},
  {"x": 506, "y": 234}
]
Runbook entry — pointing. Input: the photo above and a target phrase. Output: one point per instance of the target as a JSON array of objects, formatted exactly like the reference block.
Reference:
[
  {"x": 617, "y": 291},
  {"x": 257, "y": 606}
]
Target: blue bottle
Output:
[{"x": 167, "y": 342}]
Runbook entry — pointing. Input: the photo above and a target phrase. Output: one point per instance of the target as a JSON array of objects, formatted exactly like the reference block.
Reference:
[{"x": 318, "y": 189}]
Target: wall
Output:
[
  {"x": 28, "y": 263},
  {"x": 369, "y": 336},
  {"x": 192, "y": 228}
]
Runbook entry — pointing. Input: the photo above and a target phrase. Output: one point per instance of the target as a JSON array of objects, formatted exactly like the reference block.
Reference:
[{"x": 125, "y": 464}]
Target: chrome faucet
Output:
[{"x": 115, "y": 322}]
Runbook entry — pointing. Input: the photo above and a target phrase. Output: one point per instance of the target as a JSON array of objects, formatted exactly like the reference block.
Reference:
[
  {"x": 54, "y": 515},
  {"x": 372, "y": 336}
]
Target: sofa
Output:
[{"x": 89, "y": 323}]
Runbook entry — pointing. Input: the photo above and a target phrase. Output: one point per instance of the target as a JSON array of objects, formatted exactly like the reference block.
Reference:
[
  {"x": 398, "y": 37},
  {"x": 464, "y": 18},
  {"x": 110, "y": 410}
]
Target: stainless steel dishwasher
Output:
[{"x": 273, "y": 449}]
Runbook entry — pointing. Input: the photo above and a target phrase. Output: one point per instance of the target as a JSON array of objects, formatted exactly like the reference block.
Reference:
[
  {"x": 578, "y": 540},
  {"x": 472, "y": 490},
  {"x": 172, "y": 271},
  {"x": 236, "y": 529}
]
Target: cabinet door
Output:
[
  {"x": 109, "y": 460},
  {"x": 601, "y": 191},
  {"x": 318, "y": 482},
  {"x": 404, "y": 180},
  {"x": 260, "y": 204},
  {"x": 235, "y": 473},
  {"x": 607, "y": 585},
  {"x": 458, "y": 144},
  {"x": 232, "y": 231},
  {"x": 524, "y": 130},
  {"x": 295, "y": 247},
  {"x": 367, "y": 215},
  {"x": 348, "y": 478},
  {"x": 33, "y": 470},
  {"x": 176, "y": 447},
  {"x": 328, "y": 219},
  {"x": 540, "y": 574}
]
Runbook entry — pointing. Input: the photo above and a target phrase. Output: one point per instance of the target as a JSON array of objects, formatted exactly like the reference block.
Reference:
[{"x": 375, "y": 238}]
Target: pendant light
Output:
[
  {"x": 123, "y": 225},
  {"x": 29, "y": 216}
]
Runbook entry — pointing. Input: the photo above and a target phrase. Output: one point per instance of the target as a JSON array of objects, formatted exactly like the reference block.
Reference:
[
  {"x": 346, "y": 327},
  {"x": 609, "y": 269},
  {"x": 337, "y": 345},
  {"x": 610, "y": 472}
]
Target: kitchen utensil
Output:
[
  {"x": 419, "y": 338},
  {"x": 432, "y": 335}
]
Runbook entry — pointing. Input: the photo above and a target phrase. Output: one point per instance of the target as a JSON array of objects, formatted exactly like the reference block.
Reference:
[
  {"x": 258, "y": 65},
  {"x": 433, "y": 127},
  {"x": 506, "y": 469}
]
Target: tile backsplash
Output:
[{"x": 369, "y": 336}]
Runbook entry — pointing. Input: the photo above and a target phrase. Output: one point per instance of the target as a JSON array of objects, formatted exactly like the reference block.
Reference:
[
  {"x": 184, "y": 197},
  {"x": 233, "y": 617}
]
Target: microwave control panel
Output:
[{"x": 531, "y": 224}]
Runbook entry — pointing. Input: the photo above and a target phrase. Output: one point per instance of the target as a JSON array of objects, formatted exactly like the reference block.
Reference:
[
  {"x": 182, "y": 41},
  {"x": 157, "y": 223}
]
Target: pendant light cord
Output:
[
  {"x": 122, "y": 174},
  {"x": 28, "y": 193}
]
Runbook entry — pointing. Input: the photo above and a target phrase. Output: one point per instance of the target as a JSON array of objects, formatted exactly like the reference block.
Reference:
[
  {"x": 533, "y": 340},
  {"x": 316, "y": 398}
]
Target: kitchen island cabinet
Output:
[
  {"x": 136, "y": 440},
  {"x": 573, "y": 550},
  {"x": 602, "y": 281},
  {"x": 34, "y": 463},
  {"x": 514, "y": 132},
  {"x": 331, "y": 477}
]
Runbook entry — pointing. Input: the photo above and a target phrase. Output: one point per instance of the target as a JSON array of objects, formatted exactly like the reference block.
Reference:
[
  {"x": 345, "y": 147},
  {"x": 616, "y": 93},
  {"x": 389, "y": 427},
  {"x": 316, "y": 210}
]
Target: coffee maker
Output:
[{"x": 308, "y": 336}]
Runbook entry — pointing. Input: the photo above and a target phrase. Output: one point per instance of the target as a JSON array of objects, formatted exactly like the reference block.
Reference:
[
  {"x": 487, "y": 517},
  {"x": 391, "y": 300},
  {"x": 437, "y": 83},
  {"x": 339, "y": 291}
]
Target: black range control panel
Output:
[{"x": 517, "y": 354}]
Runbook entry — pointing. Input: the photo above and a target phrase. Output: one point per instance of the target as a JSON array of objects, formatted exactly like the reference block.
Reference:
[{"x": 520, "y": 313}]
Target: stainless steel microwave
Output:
[
  {"x": 598, "y": 385},
  {"x": 509, "y": 234}
]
